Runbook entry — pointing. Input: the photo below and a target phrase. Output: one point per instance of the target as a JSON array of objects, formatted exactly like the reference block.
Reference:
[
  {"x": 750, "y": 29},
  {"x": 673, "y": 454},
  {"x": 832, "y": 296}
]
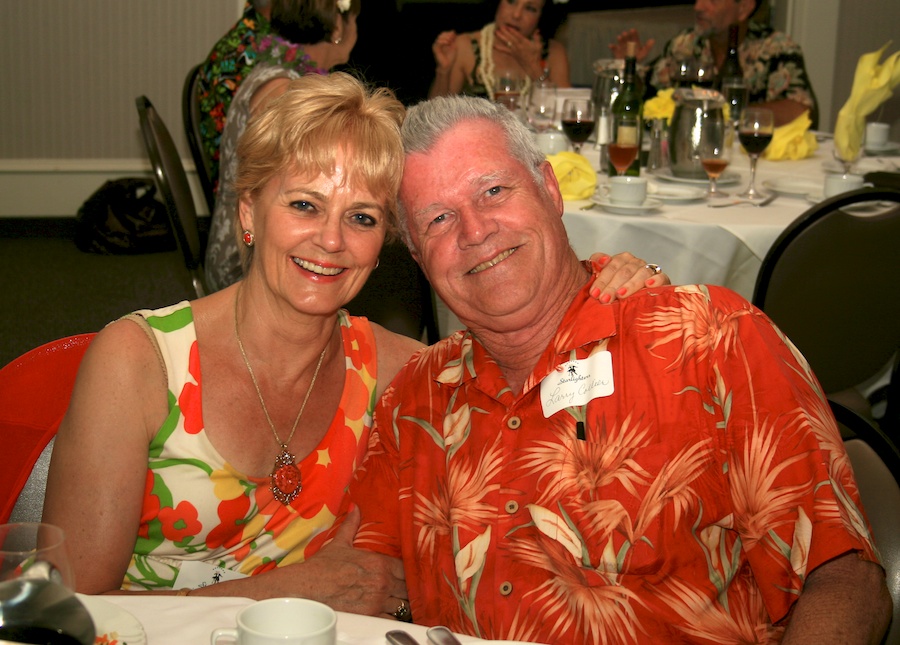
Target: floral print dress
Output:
[{"x": 198, "y": 507}]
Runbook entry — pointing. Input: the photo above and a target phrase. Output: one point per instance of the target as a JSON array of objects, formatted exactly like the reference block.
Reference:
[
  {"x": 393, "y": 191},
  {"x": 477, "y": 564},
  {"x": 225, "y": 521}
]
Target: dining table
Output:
[
  {"x": 190, "y": 620},
  {"x": 693, "y": 242}
]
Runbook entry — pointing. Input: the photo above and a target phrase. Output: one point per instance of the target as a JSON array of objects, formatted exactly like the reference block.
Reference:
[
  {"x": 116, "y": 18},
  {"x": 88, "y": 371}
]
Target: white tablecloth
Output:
[{"x": 171, "y": 620}]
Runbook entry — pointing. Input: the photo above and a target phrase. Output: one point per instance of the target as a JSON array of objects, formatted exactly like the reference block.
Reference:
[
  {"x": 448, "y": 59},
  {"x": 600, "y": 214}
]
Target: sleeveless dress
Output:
[
  {"x": 198, "y": 507},
  {"x": 481, "y": 81}
]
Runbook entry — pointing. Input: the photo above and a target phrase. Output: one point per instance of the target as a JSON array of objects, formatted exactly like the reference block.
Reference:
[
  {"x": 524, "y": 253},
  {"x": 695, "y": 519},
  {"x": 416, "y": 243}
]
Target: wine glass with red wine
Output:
[
  {"x": 755, "y": 129},
  {"x": 715, "y": 149},
  {"x": 577, "y": 121}
]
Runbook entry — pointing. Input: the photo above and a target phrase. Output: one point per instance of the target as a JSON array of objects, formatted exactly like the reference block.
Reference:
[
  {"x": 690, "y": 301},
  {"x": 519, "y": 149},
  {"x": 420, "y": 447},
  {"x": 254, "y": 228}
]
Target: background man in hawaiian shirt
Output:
[
  {"x": 664, "y": 469},
  {"x": 772, "y": 62}
]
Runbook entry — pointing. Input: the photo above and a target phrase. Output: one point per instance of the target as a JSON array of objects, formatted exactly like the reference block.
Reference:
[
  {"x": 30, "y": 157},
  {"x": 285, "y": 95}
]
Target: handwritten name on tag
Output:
[
  {"x": 194, "y": 574},
  {"x": 576, "y": 383}
]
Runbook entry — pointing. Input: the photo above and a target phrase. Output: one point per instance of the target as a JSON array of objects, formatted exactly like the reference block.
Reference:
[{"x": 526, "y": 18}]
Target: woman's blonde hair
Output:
[{"x": 300, "y": 131}]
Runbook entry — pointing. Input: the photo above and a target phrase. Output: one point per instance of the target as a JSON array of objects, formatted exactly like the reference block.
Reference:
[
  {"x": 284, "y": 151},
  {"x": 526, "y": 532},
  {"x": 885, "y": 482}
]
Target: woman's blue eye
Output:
[
  {"x": 365, "y": 219},
  {"x": 301, "y": 205}
]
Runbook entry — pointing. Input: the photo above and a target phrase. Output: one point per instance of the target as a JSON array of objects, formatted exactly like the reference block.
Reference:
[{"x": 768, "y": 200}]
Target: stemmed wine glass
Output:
[
  {"x": 714, "y": 149},
  {"x": 755, "y": 129},
  {"x": 737, "y": 95},
  {"x": 37, "y": 602},
  {"x": 541, "y": 107},
  {"x": 578, "y": 121},
  {"x": 508, "y": 89}
]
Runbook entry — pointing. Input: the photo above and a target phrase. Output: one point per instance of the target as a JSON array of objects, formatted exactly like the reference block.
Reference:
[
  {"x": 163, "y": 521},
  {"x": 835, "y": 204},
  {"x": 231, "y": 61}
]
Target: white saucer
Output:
[
  {"x": 787, "y": 187},
  {"x": 648, "y": 206},
  {"x": 675, "y": 193},
  {"x": 889, "y": 149},
  {"x": 728, "y": 177},
  {"x": 112, "y": 622}
]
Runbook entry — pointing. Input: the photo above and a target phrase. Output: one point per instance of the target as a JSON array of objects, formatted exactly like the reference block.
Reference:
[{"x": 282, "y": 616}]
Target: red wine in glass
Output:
[
  {"x": 754, "y": 142},
  {"x": 577, "y": 131}
]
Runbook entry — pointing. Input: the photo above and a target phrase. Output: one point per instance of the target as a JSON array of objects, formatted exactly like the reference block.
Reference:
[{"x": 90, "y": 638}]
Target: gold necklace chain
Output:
[{"x": 256, "y": 384}]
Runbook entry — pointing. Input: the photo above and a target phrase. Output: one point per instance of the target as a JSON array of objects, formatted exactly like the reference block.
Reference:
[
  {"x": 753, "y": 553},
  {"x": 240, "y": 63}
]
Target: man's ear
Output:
[
  {"x": 552, "y": 185},
  {"x": 746, "y": 9}
]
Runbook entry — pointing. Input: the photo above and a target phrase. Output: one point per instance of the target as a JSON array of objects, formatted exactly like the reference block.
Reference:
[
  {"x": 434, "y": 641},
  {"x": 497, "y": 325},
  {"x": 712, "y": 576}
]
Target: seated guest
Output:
[
  {"x": 227, "y": 65},
  {"x": 468, "y": 63},
  {"x": 661, "y": 470},
  {"x": 327, "y": 31},
  {"x": 772, "y": 63}
]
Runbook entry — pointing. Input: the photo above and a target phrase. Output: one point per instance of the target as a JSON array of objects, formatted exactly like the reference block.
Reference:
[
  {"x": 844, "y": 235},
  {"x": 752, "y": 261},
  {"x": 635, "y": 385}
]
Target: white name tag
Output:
[
  {"x": 577, "y": 383},
  {"x": 194, "y": 574}
]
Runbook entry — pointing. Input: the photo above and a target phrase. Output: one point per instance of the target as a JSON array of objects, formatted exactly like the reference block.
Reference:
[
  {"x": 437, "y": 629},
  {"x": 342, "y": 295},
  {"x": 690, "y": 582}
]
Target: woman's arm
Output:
[
  {"x": 558, "y": 63},
  {"x": 98, "y": 470}
]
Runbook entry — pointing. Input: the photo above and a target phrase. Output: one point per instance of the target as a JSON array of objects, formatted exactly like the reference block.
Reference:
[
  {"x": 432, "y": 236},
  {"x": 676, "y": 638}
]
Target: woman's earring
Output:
[
  {"x": 248, "y": 238},
  {"x": 338, "y": 41},
  {"x": 377, "y": 262}
]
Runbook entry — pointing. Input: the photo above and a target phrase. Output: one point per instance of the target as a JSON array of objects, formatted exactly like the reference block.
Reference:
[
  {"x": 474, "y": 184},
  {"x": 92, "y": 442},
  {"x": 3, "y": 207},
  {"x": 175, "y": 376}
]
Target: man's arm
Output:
[
  {"x": 785, "y": 110},
  {"x": 844, "y": 601}
]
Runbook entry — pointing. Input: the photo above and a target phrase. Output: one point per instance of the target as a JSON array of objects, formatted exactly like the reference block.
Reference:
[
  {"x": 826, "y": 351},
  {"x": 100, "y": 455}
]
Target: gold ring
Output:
[
  {"x": 403, "y": 613},
  {"x": 654, "y": 268}
]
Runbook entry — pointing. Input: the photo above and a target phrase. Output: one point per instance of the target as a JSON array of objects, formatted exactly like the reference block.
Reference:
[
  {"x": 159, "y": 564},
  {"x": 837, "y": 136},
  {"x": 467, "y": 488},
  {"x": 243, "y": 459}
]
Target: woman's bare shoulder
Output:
[{"x": 394, "y": 350}]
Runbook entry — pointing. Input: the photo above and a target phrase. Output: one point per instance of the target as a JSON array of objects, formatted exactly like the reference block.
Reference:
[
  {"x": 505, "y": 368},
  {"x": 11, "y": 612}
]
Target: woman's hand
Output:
[
  {"x": 623, "y": 274},
  {"x": 444, "y": 49},
  {"x": 526, "y": 51}
]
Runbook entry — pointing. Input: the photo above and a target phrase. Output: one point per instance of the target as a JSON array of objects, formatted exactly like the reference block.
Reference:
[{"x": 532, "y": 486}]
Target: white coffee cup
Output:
[
  {"x": 626, "y": 189},
  {"x": 836, "y": 183},
  {"x": 552, "y": 141},
  {"x": 877, "y": 135},
  {"x": 282, "y": 621}
]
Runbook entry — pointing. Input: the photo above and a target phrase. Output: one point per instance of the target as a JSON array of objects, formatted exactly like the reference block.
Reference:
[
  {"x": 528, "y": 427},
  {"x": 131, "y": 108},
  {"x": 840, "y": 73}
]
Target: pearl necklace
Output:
[{"x": 285, "y": 481}]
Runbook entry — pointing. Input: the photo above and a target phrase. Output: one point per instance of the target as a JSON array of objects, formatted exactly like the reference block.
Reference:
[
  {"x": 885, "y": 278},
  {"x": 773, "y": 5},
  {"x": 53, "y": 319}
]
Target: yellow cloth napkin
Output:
[
  {"x": 577, "y": 179},
  {"x": 792, "y": 140},
  {"x": 872, "y": 85},
  {"x": 661, "y": 106}
]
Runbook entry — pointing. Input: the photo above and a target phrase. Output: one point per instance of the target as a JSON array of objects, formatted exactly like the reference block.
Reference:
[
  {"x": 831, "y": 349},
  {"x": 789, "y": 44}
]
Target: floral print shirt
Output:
[
  {"x": 198, "y": 507},
  {"x": 685, "y": 503},
  {"x": 772, "y": 63}
]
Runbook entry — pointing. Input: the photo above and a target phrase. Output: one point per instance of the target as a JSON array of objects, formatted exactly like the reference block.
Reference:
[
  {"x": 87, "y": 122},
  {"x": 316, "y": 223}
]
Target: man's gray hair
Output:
[{"x": 426, "y": 122}]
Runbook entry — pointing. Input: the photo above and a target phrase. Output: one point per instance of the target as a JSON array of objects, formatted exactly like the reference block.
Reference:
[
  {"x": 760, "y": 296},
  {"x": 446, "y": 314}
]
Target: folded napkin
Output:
[
  {"x": 661, "y": 106},
  {"x": 872, "y": 85},
  {"x": 577, "y": 178},
  {"x": 792, "y": 140}
]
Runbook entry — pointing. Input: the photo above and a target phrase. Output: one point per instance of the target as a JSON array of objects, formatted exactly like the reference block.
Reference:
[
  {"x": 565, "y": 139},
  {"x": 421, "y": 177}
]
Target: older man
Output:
[
  {"x": 663, "y": 469},
  {"x": 773, "y": 64}
]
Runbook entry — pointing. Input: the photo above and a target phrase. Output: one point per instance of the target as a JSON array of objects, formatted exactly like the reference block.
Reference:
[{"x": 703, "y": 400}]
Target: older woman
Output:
[
  {"x": 213, "y": 441},
  {"x": 468, "y": 63},
  {"x": 305, "y": 37}
]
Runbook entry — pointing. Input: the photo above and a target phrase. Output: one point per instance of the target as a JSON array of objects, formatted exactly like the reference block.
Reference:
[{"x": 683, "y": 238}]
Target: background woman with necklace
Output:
[
  {"x": 213, "y": 441},
  {"x": 468, "y": 63}
]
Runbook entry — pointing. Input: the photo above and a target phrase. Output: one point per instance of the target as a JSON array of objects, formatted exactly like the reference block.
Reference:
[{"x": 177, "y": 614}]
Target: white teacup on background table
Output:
[
  {"x": 877, "y": 135},
  {"x": 626, "y": 189},
  {"x": 836, "y": 184},
  {"x": 282, "y": 621}
]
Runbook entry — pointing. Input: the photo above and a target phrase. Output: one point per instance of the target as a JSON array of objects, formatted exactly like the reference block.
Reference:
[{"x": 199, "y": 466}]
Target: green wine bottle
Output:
[{"x": 627, "y": 126}]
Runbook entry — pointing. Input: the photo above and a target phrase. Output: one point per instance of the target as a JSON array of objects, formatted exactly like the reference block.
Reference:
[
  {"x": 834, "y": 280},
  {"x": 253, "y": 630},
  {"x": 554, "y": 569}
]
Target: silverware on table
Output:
[
  {"x": 400, "y": 637},
  {"x": 441, "y": 636},
  {"x": 738, "y": 202}
]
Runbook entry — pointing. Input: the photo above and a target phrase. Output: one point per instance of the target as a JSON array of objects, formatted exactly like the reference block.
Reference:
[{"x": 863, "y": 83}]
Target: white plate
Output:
[
  {"x": 792, "y": 187},
  {"x": 727, "y": 177},
  {"x": 113, "y": 623},
  {"x": 675, "y": 193},
  {"x": 890, "y": 148},
  {"x": 648, "y": 206}
]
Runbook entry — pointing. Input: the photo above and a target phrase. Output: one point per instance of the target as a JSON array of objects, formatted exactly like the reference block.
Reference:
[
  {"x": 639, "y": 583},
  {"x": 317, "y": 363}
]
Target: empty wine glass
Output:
[
  {"x": 755, "y": 129},
  {"x": 737, "y": 95},
  {"x": 541, "y": 107},
  {"x": 37, "y": 602},
  {"x": 714, "y": 149},
  {"x": 577, "y": 120}
]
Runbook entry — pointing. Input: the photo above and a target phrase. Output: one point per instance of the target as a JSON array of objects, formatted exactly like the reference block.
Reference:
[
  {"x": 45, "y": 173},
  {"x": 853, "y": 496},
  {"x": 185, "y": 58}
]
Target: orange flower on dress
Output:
[
  {"x": 180, "y": 522},
  {"x": 190, "y": 399}
]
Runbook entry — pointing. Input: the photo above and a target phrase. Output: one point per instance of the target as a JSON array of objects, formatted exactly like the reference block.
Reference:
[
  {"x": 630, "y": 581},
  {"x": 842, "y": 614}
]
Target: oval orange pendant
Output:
[{"x": 285, "y": 480}]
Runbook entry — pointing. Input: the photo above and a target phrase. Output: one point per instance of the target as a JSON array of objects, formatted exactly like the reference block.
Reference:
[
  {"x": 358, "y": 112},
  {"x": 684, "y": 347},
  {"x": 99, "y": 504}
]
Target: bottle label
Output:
[{"x": 627, "y": 135}]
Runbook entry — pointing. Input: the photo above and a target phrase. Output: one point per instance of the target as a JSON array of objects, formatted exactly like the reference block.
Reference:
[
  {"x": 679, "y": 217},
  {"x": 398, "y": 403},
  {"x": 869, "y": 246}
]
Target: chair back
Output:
[
  {"x": 826, "y": 284},
  {"x": 876, "y": 465},
  {"x": 397, "y": 296},
  {"x": 172, "y": 182},
  {"x": 190, "y": 113},
  {"x": 34, "y": 395}
]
